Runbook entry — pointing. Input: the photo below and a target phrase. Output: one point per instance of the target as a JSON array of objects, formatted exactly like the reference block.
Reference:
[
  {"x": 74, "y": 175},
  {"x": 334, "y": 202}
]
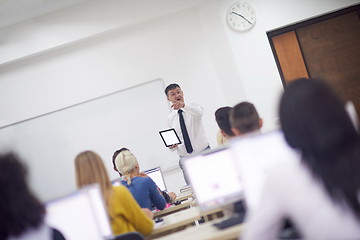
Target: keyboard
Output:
[{"x": 234, "y": 220}]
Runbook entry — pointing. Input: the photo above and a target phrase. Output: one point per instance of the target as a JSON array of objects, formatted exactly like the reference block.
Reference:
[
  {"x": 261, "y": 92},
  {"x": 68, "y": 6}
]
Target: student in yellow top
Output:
[{"x": 124, "y": 212}]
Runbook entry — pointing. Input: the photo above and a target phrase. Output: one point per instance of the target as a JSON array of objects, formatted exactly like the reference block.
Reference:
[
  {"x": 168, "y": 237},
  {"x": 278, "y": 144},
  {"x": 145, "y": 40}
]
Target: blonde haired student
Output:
[
  {"x": 142, "y": 188},
  {"x": 124, "y": 212}
]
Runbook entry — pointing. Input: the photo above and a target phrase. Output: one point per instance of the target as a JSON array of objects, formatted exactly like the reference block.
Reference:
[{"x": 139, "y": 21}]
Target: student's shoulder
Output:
[
  {"x": 121, "y": 195},
  {"x": 120, "y": 189},
  {"x": 145, "y": 181}
]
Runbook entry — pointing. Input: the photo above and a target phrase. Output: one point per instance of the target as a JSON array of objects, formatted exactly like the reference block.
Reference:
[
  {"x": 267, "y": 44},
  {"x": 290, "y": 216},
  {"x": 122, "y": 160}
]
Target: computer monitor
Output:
[
  {"x": 156, "y": 175},
  {"x": 80, "y": 215},
  {"x": 213, "y": 178},
  {"x": 255, "y": 155}
]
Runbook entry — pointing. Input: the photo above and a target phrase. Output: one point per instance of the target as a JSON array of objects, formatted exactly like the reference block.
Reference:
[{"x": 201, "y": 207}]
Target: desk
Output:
[
  {"x": 210, "y": 214},
  {"x": 174, "y": 208},
  {"x": 206, "y": 231},
  {"x": 184, "y": 196},
  {"x": 176, "y": 221}
]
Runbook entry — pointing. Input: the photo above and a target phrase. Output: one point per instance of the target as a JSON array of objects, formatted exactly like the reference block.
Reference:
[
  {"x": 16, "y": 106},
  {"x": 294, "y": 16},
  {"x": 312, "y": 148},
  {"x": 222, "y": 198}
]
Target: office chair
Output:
[{"x": 129, "y": 236}]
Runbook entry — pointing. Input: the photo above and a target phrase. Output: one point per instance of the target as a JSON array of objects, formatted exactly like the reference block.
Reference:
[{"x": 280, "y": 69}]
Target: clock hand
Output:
[{"x": 242, "y": 17}]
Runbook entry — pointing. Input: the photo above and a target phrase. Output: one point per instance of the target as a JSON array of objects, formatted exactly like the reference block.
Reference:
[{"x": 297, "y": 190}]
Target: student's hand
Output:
[
  {"x": 148, "y": 213},
  {"x": 177, "y": 105},
  {"x": 173, "y": 146}
]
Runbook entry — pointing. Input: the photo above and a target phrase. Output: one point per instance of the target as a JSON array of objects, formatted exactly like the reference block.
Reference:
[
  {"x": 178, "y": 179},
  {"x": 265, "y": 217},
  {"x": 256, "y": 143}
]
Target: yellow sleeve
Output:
[{"x": 127, "y": 215}]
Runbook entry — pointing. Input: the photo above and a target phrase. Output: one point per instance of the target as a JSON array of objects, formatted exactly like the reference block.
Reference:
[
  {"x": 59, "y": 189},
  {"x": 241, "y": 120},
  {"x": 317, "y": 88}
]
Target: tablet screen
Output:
[{"x": 170, "y": 137}]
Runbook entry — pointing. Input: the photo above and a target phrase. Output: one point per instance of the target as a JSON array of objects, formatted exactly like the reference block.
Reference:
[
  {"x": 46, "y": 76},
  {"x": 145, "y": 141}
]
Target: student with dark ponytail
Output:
[{"x": 321, "y": 192}]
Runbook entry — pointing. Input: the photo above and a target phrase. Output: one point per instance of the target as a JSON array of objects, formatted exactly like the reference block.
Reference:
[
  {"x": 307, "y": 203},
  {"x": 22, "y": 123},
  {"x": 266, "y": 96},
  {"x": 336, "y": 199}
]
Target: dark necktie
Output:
[{"x": 185, "y": 134}]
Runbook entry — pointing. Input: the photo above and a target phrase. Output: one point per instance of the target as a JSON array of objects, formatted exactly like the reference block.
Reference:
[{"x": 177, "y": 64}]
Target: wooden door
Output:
[{"x": 326, "y": 47}]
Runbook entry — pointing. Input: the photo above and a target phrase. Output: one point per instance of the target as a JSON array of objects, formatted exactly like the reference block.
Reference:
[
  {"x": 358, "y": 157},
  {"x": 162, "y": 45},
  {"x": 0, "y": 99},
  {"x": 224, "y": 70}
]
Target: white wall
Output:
[
  {"x": 170, "y": 48},
  {"x": 252, "y": 51},
  {"x": 76, "y": 55}
]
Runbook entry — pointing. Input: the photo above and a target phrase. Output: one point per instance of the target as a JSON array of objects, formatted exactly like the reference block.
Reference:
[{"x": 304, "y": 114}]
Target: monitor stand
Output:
[{"x": 237, "y": 217}]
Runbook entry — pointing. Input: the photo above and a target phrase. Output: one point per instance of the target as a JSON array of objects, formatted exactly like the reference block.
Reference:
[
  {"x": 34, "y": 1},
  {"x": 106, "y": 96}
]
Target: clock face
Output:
[{"x": 241, "y": 16}]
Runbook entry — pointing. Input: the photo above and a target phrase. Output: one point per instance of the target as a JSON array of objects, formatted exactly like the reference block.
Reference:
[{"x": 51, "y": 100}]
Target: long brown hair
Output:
[{"x": 90, "y": 169}]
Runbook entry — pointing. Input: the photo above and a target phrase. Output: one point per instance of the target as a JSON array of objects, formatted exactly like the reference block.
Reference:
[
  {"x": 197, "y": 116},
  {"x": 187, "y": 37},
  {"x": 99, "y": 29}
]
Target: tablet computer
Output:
[{"x": 170, "y": 137}]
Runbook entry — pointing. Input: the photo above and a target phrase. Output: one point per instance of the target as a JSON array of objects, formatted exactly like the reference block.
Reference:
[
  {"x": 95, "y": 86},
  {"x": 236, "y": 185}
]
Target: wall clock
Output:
[{"x": 241, "y": 16}]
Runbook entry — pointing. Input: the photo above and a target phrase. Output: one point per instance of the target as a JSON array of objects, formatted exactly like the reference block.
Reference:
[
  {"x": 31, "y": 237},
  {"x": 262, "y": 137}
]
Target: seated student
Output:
[
  {"x": 169, "y": 197},
  {"x": 118, "y": 180},
  {"x": 22, "y": 215},
  {"x": 320, "y": 192},
  {"x": 240, "y": 120},
  {"x": 142, "y": 188},
  {"x": 222, "y": 116},
  {"x": 124, "y": 212},
  {"x": 244, "y": 119}
]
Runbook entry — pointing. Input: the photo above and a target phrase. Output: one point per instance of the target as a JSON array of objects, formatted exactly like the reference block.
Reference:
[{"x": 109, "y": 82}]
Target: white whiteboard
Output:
[{"x": 129, "y": 118}]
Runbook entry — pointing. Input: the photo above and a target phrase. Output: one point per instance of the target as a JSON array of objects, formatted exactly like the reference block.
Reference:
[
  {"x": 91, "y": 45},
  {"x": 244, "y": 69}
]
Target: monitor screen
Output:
[
  {"x": 156, "y": 175},
  {"x": 255, "y": 155},
  {"x": 214, "y": 179},
  {"x": 80, "y": 215}
]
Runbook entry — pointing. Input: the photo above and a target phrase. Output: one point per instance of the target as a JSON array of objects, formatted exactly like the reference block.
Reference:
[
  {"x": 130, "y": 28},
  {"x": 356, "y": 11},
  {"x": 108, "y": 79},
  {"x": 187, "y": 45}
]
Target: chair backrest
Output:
[
  {"x": 129, "y": 236},
  {"x": 80, "y": 215}
]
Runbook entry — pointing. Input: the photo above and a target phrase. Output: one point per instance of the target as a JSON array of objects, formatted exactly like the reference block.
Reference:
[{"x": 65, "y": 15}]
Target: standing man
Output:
[{"x": 186, "y": 119}]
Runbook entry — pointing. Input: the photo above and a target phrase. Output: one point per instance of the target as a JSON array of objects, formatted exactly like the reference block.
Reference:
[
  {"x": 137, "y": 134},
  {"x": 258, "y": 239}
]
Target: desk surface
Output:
[
  {"x": 184, "y": 195},
  {"x": 206, "y": 231},
  {"x": 174, "y": 208},
  {"x": 176, "y": 220}
]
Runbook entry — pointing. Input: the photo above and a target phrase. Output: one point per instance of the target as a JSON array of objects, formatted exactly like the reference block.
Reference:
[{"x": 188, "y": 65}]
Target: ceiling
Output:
[{"x": 15, "y": 11}]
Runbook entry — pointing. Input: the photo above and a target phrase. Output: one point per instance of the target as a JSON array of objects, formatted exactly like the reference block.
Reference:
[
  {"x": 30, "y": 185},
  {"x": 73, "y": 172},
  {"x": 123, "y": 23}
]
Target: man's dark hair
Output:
[
  {"x": 171, "y": 87},
  {"x": 222, "y": 117},
  {"x": 20, "y": 210},
  {"x": 244, "y": 117}
]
